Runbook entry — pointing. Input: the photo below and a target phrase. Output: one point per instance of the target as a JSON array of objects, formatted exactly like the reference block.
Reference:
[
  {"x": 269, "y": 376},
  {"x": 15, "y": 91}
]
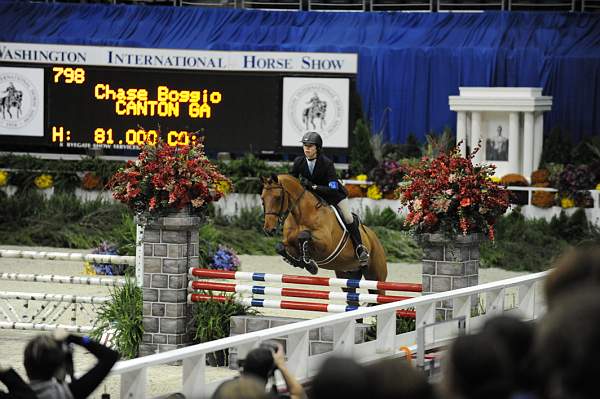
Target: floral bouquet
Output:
[
  {"x": 225, "y": 259},
  {"x": 107, "y": 269},
  {"x": 451, "y": 196},
  {"x": 166, "y": 178}
]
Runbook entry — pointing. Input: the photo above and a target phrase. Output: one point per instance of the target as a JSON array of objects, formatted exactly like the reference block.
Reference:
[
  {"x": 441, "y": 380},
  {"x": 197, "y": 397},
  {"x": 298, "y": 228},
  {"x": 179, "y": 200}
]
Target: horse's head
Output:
[{"x": 274, "y": 201}]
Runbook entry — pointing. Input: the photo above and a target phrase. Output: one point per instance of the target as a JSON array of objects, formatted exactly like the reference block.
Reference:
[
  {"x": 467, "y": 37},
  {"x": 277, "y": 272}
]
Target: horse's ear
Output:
[
  {"x": 263, "y": 180},
  {"x": 275, "y": 178}
]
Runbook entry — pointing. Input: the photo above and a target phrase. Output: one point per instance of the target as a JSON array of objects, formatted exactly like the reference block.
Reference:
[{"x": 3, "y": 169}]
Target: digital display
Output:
[{"x": 117, "y": 109}]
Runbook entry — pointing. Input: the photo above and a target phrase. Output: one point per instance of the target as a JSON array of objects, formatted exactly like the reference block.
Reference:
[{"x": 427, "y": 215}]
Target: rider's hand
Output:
[{"x": 305, "y": 182}]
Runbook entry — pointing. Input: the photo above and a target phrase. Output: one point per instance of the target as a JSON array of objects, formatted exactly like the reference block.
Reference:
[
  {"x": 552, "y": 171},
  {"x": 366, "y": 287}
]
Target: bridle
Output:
[{"x": 284, "y": 213}]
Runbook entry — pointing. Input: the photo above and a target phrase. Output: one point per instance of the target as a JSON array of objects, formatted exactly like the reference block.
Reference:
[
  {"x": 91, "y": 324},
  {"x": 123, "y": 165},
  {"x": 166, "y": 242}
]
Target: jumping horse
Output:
[{"x": 312, "y": 235}]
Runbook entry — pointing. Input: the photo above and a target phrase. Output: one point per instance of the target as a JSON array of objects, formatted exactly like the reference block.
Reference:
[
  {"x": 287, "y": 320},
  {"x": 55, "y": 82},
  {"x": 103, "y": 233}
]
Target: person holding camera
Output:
[
  {"x": 49, "y": 361},
  {"x": 262, "y": 362}
]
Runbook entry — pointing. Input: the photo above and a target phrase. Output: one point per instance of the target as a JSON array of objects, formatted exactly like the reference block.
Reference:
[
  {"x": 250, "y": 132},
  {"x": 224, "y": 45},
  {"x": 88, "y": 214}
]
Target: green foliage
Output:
[
  {"x": 211, "y": 321},
  {"x": 125, "y": 235},
  {"x": 403, "y": 325},
  {"x": 399, "y": 246},
  {"x": 532, "y": 245},
  {"x": 361, "y": 155},
  {"x": 437, "y": 144},
  {"x": 245, "y": 173},
  {"x": 61, "y": 221},
  {"x": 123, "y": 313},
  {"x": 397, "y": 152},
  {"x": 557, "y": 148},
  {"x": 385, "y": 217}
]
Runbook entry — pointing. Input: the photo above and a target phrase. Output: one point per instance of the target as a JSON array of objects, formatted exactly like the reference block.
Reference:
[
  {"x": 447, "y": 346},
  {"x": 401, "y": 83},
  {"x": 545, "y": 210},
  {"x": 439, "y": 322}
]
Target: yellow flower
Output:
[
  {"x": 567, "y": 202},
  {"x": 89, "y": 269},
  {"x": 597, "y": 187},
  {"x": 495, "y": 179},
  {"x": 362, "y": 177},
  {"x": 3, "y": 178},
  {"x": 223, "y": 187},
  {"x": 374, "y": 192},
  {"x": 43, "y": 182}
]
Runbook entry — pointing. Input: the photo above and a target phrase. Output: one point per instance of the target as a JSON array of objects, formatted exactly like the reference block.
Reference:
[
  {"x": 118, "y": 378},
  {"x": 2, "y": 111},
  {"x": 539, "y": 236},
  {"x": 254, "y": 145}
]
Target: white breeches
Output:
[{"x": 344, "y": 206}]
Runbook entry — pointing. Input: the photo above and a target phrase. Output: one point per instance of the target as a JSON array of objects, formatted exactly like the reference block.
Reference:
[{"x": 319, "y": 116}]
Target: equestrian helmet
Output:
[{"x": 312, "y": 138}]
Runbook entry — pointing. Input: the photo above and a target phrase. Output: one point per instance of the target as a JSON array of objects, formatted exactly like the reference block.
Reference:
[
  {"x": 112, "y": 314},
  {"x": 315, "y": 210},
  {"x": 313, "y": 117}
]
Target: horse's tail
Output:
[{"x": 377, "y": 269}]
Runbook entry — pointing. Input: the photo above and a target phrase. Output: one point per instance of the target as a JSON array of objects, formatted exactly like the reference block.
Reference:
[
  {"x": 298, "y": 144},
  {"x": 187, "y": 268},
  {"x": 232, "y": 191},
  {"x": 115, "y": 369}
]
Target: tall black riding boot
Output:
[{"x": 361, "y": 251}]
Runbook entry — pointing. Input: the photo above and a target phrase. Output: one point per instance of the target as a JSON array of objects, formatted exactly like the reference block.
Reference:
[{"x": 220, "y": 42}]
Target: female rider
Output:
[{"x": 317, "y": 172}]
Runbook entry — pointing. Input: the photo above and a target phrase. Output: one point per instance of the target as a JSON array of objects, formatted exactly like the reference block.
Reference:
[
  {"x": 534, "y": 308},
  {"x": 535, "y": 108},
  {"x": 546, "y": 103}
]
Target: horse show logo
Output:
[
  {"x": 18, "y": 100},
  {"x": 315, "y": 107}
]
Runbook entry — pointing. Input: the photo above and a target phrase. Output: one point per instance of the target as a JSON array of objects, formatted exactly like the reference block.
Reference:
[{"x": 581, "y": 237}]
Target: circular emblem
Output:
[
  {"x": 19, "y": 101},
  {"x": 315, "y": 107}
]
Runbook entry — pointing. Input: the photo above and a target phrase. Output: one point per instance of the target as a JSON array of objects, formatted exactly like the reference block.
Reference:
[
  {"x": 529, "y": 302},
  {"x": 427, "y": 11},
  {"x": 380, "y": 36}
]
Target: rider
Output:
[
  {"x": 10, "y": 90},
  {"x": 317, "y": 173}
]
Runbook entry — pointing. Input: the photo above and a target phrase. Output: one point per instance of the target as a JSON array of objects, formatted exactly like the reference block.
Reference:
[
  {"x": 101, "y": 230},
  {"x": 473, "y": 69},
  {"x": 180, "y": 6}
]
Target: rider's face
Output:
[{"x": 310, "y": 151}]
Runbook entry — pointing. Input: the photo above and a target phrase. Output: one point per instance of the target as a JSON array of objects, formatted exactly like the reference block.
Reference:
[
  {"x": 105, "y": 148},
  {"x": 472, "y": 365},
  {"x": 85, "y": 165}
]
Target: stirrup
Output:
[{"x": 362, "y": 254}]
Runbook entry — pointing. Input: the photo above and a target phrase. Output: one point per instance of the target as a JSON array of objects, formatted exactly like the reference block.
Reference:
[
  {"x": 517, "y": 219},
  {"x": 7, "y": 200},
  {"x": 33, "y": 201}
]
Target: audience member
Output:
[
  {"x": 396, "y": 379},
  {"x": 477, "y": 367},
  {"x": 340, "y": 377},
  {"x": 574, "y": 270},
  {"x": 17, "y": 388},
  {"x": 516, "y": 337},
  {"x": 48, "y": 361},
  {"x": 244, "y": 387},
  {"x": 567, "y": 345},
  {"x": 262, "y": 362}
]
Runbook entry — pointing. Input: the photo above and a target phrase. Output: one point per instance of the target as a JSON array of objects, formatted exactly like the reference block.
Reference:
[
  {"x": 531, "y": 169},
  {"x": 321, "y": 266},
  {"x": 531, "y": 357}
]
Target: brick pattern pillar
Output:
[
  {"x": 170, "y": 249},
  {"x": 449, "y": 265}
]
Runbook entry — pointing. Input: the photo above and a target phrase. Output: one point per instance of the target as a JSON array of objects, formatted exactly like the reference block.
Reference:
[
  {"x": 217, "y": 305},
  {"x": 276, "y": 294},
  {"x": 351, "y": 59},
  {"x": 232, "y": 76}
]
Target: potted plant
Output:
[
  {"x": 168, "y": 178},
  {"x": 452, "y": 204}
]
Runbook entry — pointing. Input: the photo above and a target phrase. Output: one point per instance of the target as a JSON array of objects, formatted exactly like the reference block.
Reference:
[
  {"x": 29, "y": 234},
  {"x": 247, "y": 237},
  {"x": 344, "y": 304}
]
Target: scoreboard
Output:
[{"x": 85, "y": 104}]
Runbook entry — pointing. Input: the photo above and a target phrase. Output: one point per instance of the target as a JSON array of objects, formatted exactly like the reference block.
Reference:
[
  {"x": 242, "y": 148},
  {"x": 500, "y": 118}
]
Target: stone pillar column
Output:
[
  {"x": 461, "y": 131},
  {"x": 449, "y": 265},
  {"x": 476, "y": 136},
  {"x": 170, "y": 249},
  {"x": 514, "y": 155},
  {"x": 528, "y": 145},
  {"x": 538, "y": 139}
]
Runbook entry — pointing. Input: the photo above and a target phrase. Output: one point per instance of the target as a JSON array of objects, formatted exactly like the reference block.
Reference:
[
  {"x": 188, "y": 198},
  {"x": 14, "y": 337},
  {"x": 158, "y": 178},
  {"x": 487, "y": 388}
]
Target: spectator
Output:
[
  {"x": 516, "y": 338},
  {"x": 567, "y": 346},
  {"x": 396, "y": 379},
  {"x": 17, "y": 388},
  {"x": 241, "y": 388},
  {"x": 477, "y": 367},
  {"x": 262, "y": 362},
  {"x": 574, "y": 270},
  {"x": 48, "y": 360},
  {"x": 340, "y": 377}
]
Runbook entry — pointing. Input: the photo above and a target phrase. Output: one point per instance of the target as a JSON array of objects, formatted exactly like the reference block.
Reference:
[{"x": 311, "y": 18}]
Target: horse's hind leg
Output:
[{"x": 349, "y": 275}]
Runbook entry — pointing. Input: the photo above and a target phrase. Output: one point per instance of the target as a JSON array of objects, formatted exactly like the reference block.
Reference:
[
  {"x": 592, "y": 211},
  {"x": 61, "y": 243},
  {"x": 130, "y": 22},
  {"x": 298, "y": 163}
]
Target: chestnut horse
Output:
[{"x": 312, "y": 235}]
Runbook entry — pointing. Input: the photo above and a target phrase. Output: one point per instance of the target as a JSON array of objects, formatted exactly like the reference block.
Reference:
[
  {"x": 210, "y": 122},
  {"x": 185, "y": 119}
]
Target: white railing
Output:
[{"x": 527, "y": 303}]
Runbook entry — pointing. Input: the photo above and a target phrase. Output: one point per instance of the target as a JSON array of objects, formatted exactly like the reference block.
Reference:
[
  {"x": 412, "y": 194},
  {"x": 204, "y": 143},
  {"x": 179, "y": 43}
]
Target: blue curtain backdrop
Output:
[{"x": 409, "y": 63}]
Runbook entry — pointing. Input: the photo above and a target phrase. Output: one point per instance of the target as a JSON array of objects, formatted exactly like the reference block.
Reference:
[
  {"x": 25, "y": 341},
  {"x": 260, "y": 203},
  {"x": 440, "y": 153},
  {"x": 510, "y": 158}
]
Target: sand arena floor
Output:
[{"x": 163, "y": 379}]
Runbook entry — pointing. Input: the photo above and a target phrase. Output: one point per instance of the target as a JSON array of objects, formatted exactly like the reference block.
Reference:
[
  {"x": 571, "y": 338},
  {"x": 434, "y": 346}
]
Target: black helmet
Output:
[{"x": 312, "y": 138}]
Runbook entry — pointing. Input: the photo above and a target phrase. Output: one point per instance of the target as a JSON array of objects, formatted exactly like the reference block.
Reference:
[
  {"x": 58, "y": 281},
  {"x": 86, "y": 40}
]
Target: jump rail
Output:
[
  {"x": 54, "y": 278},
  {"x": 307, "y": 280},
  {"x": 386, "y": 345},
  {"x": 112, "y": 259},
  {"x": 293, "y": 292},
  {"x": 291, "y": 305}
]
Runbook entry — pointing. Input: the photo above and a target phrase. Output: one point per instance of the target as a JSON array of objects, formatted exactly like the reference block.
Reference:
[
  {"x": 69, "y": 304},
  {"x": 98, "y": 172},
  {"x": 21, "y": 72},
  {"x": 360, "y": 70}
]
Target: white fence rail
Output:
[{"x": 528, "y": 304}]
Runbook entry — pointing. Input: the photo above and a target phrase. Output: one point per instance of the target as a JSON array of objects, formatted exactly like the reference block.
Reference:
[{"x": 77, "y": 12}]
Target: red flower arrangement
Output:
[
  {"x": 451, "y": 196},
  {"x": 166, "y": 178}
]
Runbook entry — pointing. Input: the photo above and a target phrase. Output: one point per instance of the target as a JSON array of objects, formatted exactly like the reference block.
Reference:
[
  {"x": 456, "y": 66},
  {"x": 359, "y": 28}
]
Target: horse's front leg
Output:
[
  {"x": 304, "y": 242},
  {"x": 282, "y": 250}
]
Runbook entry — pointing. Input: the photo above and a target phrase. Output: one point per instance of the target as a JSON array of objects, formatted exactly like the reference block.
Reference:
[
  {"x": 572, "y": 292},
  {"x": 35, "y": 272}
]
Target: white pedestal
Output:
[{"x": 509, "y": 121}]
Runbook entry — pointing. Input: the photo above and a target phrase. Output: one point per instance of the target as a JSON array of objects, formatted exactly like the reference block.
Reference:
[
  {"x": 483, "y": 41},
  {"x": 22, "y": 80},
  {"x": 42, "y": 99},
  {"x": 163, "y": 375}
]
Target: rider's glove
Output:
[{"x": 306, "y": 183}]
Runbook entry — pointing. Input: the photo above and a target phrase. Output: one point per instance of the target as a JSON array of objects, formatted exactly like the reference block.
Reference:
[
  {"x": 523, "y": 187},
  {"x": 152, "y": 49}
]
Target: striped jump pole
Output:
[
  {"x": 51, "y": 278},
  {"x": 293, "y": 292},
  {"x": 306, "y": 280},
  {"x": 10, "y": 325},
  {"x": 290, "y": 305},
  {"x": 38, "y": 296},
  {"x": 98, "y": 258}
]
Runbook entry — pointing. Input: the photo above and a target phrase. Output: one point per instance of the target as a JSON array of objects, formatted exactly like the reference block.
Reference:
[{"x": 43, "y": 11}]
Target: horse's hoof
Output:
[{"x": 312, "y": 267}]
